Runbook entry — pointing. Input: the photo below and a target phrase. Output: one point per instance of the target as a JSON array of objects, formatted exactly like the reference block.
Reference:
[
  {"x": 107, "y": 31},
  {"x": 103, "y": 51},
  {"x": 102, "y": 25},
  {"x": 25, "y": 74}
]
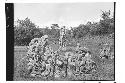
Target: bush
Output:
[
  {"x": 80, "y": 31},
  {"x": 25, "y": 31}
]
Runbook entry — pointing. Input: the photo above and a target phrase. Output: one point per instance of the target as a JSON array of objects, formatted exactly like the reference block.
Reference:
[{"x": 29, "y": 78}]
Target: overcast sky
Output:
[{"x": 68, "y": 14}]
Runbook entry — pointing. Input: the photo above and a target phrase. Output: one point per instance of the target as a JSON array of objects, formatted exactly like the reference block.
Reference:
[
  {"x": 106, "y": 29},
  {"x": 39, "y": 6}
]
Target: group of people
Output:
[{"x": 43, "y": 61}]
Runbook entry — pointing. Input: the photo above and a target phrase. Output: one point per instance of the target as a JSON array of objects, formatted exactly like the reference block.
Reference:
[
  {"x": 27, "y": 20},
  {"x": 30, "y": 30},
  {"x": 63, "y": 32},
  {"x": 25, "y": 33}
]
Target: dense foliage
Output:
[{"x": 25, "y": 30}]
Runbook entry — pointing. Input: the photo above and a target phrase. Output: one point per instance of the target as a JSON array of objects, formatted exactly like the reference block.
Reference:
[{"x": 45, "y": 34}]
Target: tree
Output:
[
  {"x": 54, "y": 32},
  {"x": 107, "y": 23},
  {"x": 106, "y": 15},
  {"x": 24, "y": 31},
  {"x": 105, "y": 26},
  {"x": 55, "y": 26},
  {"x": 80, "y": 31}
]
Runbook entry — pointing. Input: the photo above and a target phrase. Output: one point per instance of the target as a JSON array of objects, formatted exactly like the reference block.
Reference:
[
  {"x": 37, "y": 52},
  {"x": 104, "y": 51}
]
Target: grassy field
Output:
[{"x": 105, "y": 69}]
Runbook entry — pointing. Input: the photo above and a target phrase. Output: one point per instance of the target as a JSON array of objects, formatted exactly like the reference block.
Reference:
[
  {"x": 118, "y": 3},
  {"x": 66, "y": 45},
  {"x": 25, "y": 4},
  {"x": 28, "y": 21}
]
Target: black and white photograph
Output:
[{"x": 63, "y": 41}]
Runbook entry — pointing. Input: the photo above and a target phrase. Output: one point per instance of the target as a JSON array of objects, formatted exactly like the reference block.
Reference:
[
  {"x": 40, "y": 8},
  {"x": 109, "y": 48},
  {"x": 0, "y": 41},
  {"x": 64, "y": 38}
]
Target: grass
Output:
[{"x": 105, "y": 69}]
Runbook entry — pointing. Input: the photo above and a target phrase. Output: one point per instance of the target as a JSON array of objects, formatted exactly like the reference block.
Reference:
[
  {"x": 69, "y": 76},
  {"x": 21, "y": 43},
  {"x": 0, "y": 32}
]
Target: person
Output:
[
  {"x": 105, "y": 52},
  {"x": 45, "y": 37},
  {"x": 81, "y": 50},
  {"x": 62, "y": 38},
  {"x": 88, "y": 55},
  {"x": 78, "y": 47}
]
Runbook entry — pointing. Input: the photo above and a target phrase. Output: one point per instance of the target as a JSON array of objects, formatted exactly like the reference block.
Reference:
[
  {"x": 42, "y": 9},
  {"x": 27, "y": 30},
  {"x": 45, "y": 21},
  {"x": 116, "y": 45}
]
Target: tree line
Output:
[{"x": 25, "y": 30}]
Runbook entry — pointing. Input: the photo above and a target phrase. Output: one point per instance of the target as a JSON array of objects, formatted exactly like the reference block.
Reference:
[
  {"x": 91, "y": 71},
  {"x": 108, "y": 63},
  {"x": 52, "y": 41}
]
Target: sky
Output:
[{"x": 64, "y": 14}]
